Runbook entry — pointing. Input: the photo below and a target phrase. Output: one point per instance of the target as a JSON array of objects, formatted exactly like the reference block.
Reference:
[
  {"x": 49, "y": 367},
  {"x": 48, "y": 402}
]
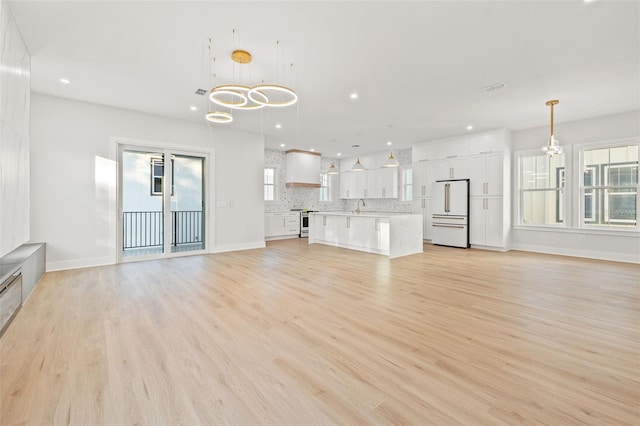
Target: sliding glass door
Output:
[{"x": 162, "y": 202}]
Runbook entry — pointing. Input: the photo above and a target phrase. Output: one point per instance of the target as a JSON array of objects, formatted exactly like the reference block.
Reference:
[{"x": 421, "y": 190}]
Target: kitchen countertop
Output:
[{"x": 364, "y": 213}]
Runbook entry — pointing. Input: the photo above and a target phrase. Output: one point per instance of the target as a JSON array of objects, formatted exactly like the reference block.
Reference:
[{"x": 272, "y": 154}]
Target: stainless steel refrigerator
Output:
[{"x": 450, "y": 213}]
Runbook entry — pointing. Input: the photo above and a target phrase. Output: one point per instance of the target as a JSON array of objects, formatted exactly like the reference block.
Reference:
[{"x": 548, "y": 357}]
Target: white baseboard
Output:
[
  {"x": 80, "y": 263},
  {"x": 109, "y": 260},
  {"x": 589, "y": 254},
  {"x": 237, "y": 247}
]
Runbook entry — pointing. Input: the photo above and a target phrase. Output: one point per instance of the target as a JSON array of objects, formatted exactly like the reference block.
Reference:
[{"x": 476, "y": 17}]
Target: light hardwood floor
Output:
[{"x": 298, "y": 334}]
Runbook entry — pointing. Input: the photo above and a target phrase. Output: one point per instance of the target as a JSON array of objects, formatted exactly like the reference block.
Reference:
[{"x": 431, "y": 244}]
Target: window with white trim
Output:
[
  {"x": 406, "y": 176},
  {"x": 609, "y": 186},
  {"x": 270, "y": 180},
  {"x": 542, "y": 184},
  {"x": 325, "y": 187}
]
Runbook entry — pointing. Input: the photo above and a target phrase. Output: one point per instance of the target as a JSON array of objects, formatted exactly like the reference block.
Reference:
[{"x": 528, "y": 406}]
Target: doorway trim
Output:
[{"x": 117, "y": 146}]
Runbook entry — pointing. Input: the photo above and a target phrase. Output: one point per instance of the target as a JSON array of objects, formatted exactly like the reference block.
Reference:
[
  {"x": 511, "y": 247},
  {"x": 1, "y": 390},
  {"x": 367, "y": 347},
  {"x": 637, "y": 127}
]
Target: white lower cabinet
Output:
[
  {"x": 393, "y": 235},
  {"x": 368, "y": 232},
  {"x": 486, "y": 222},
  {"x": 423, "y": 206},
  {"x": 281, "y": 224}
]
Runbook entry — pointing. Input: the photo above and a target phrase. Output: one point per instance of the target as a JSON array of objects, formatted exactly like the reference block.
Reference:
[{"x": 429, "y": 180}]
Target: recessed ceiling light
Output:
[
  {"x": 389, "y": 143},
  {"x": 193, "y": 108},
  {"x": 353, "y": 96},
  {"x": 65, "y": 81},
  {"x": 469, "y": 127},
  {"x": 312, "y": 150},
  {"x": 281, "y": 145},
  {"x": 278, "y": 126},
  {"x": 339, "y": 154}
]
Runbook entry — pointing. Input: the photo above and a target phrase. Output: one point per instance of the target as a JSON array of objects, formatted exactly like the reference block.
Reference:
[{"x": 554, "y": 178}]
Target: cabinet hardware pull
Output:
[
  {"x": 447, "y": 226},
  {"x": 435, "y": 216},
  {"x": 452, "y": 156},
  {"x": 377, "y": 224},
  {"x": 324, "y": 220},
  {"x": 486, "y": 152}
]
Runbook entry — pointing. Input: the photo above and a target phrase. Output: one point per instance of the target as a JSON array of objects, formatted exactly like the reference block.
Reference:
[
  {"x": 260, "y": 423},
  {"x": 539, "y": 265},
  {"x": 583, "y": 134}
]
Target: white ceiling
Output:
[{"x": 418, "y": 67}]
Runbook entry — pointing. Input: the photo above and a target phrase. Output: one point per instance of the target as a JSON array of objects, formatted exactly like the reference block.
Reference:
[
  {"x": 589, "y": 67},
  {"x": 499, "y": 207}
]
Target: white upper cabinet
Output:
[
  {"x": 386, "y": 182},
  {"x": 452, "y": 149},
  {"x": 486, "y": 174},
  {"x": 487, "y": 142},
  {"x": 424, "y": 174},
  {"x": 423, "y": 152},
  {"x": 373, "y": 182},
  {"x": 347, "y": 185},
  {"x": 452, "y": 168}
]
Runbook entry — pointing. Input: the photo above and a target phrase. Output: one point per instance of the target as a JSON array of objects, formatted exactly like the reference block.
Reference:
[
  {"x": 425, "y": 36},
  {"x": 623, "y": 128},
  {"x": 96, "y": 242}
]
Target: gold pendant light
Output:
[
  {"x": 333, "y": 170},
  {"x": 553, "y": 146},
  {"x": 358, "y": 167},
  {"x": 391, "y": 161}
]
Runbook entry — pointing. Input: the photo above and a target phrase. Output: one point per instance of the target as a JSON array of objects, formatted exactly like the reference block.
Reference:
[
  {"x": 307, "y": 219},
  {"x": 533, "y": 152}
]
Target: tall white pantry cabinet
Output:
[{"x": 485, "y": 159}]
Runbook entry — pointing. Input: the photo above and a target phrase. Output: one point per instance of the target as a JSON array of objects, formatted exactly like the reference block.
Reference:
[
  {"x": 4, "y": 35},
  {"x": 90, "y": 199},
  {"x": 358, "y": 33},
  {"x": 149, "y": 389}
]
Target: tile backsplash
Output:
[{"x": 308, "y": 198}]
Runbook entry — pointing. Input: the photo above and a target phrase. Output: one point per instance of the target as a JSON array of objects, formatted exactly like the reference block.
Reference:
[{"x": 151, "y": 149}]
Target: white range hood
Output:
[{"x": 303, "y": 169}]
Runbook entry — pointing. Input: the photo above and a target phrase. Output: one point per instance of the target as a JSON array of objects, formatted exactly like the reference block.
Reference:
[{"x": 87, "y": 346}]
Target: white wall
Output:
[
  {"x": 73, "y": 178},
  {"x": 620, "y": 246},
  {"x": 15, "y": 65}
]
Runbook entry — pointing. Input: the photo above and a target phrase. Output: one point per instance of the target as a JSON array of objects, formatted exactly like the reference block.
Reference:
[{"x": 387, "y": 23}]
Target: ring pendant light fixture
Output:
[
  {"x": 242, "y": 97},
  {"x": 553, "y": 146}
]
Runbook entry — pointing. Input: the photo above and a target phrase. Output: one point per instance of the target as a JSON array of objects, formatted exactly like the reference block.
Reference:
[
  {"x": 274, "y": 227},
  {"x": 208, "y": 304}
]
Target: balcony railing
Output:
[{"x": 146, "y": 229}]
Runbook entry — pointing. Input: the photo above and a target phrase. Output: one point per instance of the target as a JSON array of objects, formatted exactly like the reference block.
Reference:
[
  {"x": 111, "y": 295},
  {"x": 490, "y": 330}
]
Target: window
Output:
[
  {"x": 270, "y": 184},
  {"x": 325, "y": 187},
  {"x": 609, "y": 186},
  {"x": 407, "y": 182},
  {"x": 542, "y": 183},
  {"x": 157, "y": 174}
]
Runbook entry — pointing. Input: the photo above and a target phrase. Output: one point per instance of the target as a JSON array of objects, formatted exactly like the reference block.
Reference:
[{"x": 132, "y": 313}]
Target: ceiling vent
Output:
[
  {"x": 494, "y": 86},
  {"x": 201, "y": 92}
]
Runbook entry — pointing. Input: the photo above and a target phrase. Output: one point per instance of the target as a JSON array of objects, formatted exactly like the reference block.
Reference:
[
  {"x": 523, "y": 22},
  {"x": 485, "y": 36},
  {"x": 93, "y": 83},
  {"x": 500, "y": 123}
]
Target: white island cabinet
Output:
[{"x": 390, "y": 234}]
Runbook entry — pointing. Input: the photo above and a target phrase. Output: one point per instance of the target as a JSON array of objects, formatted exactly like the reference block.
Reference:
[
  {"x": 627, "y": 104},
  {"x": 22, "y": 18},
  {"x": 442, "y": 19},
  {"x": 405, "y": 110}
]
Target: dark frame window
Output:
[{"x": 157, "y": 176}]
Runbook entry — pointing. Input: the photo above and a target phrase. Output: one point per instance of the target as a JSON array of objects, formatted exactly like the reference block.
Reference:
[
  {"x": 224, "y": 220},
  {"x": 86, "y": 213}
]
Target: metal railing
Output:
[{"x": 146, "y": 229}]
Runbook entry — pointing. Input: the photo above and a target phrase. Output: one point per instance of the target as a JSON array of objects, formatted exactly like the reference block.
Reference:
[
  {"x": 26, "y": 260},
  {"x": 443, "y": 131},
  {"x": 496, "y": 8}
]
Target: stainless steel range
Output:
[{"x": 304, "y": 221}]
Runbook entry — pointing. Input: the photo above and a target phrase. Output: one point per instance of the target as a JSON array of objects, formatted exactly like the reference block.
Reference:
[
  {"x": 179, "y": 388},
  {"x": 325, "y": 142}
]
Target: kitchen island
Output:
[{"x": 390, "y": 234}]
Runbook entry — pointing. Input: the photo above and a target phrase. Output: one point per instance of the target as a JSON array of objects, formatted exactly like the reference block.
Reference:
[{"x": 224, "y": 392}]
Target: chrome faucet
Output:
[{"x": 363, "y": 204}]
